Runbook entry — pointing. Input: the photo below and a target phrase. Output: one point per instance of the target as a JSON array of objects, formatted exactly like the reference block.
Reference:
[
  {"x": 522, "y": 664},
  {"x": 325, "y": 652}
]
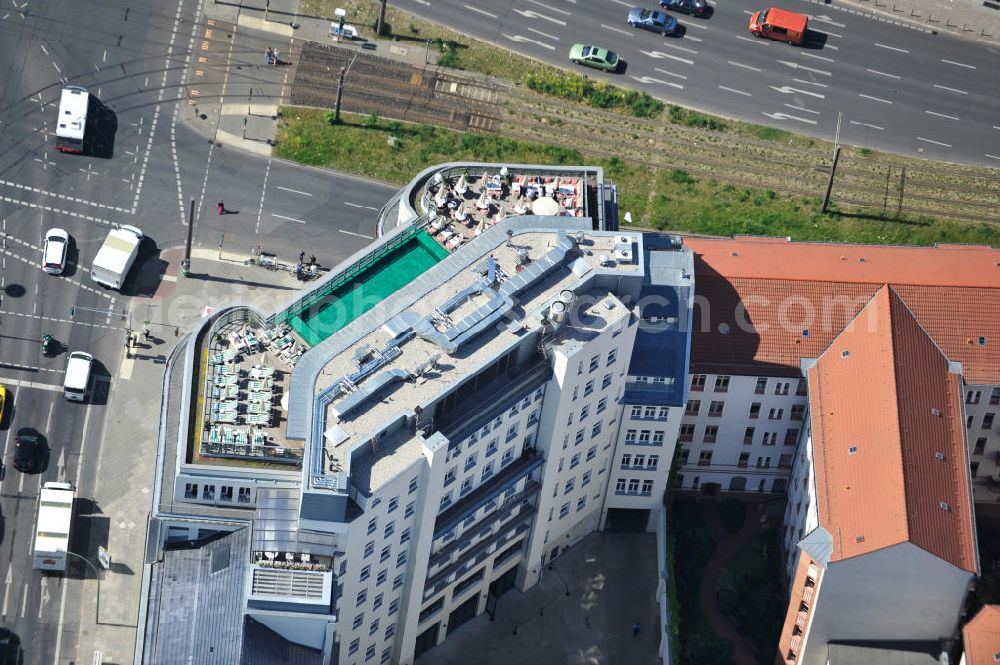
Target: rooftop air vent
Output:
[
  {"x": 859, "y": 539},
  {"x": 939, "y": 456},
  {"x": 844, "y": 354},
  {"x": 724, "y": 328},
  {"x": 935, "y": 411},
  {"x": 943, "y": 505},
  {"x": 852, "y": 450},
  {"x": 805, "y": 333},
  {"x": 982, "y": 341}
]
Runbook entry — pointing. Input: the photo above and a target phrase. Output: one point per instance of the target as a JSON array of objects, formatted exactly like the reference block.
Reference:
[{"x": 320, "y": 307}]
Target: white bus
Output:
[{"x": 72, "y": 122}]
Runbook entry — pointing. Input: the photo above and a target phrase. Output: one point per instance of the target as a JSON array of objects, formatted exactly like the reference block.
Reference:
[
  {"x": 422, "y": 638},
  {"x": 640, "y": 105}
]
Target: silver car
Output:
[{"x": 652, "y": 20}]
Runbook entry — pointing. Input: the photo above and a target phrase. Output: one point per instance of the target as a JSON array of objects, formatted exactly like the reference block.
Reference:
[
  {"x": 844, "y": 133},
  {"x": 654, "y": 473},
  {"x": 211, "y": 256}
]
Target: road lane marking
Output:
[
  {"x": 689, "y": 25},
  {"x": 674, "y": 74},
  {"x": 992, "y": 156},
  {"x": 800, "y": 108},
  {"x": 784, "y": 116},
  {"x": 740, "y": 64},
  {"x": 831, "y": 47},
  {"x": 630, "y": 5},
  {"x": 816, "y": 83},
  {"x": 788, "y": 90},
  {"x": 544, "y": 34},
  {"x": 528, "y": 13},
  {"x": 660, "y": 54},
  {"x": 826, "y": 19},
  {"x": 650, "y": 79},
  {"x": 551, "y": 9},
  {"x": 20, "y": 383},
  {"x": 618, "y": 30},
  {"x": 759, "y": 42},
  {"x": 290, "y": 219},
  {"x": 866, "y": 124},
  {"x": 875, "y": 99},
  {"x": 681, "y": 48},
  {"x": 360, "y": 235},
  {"x": 738, "y": 92},
  {"x": 795, "y": 65},
  {"x": 817, "y": 57},
  {"x": 891, "y": 48},
  {"x": 528, "y": 40},
  {"x": 943, "y": 87},
  {"x": 294, "y": 191},
  {"x": 692, "y": 38},
  {"x": 481, "y": 11},
  {"x": 942, "y": 115},
  {"x": 958, "y": 64},
  {"x": 829, "y": 34},
  {"x": 875, "y": 71},
  {"x": 921, "y": 138},
  {"x": 358, "y": 205}
]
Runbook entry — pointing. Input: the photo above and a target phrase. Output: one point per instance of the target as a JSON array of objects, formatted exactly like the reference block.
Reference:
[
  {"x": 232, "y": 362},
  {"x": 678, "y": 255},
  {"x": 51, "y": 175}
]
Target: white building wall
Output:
[
  {"x": 577, "y": 458},
  {"x": 982, "y": 414},
  {"x": 801, "y": 511},
  {"x": 643, "y": 451},
  {"x": 735, "y": 461},
  {"x": 382, "y": 561}
]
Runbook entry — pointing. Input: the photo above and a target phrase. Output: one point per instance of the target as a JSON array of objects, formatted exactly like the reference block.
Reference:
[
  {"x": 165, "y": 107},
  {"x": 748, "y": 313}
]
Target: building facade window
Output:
[
  {"x": 721, "y": 384},
  {"x": 692, "y": 408},
  {"x": 697, "y": 382}
]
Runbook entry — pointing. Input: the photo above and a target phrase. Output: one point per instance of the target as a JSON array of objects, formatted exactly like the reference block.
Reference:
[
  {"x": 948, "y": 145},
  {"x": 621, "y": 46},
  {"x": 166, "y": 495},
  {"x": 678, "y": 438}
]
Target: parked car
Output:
[
  {"x": 594, "y": 56},
  {"x": 3, "y": 399},
  {"x": 26, "y": 450},
  {"x": 54, "y": 251},
  {"x": 652, "y": 20},
  {"x": 693, "y": 7}
]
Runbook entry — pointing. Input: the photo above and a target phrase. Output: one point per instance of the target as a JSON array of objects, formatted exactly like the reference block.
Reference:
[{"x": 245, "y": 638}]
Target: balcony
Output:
[{"x": 494, "y": 487}]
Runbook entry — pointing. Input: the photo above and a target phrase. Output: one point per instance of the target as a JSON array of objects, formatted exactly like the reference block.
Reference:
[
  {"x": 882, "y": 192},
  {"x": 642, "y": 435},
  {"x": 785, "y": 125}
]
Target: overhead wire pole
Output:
[
  {"x": 186, "y": 263},
  {"x": 380, "y": 26},
  {"x": 833, "y": 168}
]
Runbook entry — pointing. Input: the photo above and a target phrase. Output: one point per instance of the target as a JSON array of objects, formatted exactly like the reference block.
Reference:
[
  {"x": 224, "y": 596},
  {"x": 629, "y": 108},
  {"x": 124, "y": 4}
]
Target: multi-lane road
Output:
[
  {"x": 143, "y": 169},
  {"x": 899, "y": 88}
]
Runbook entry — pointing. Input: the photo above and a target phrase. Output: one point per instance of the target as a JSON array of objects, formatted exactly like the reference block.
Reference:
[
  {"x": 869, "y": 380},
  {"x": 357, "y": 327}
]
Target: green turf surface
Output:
[{"x": 349, "y": 301}]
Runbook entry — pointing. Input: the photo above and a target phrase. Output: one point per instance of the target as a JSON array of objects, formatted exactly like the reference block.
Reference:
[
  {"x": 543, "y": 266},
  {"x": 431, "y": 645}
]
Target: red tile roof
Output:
[
  {"x": 776, "y": 302},
  {"x": 982, "y": 637},
  {"x": 796, "y": 620},
  {"x": 888, "y": 431},
  {"x": 778, "y": 258}
]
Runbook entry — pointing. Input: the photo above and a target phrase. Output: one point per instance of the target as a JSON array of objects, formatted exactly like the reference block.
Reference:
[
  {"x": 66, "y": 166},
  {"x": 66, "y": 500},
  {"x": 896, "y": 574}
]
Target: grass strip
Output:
[{"x": 664, "y": 198}]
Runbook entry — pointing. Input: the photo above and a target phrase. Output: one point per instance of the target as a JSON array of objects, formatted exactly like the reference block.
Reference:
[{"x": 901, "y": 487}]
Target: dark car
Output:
[
  {"x": 652, "y": 20},
  {"x": 10, "y": 646},
  {"x": 26, "y": 450},
  {"x": 693, "y": 7}
]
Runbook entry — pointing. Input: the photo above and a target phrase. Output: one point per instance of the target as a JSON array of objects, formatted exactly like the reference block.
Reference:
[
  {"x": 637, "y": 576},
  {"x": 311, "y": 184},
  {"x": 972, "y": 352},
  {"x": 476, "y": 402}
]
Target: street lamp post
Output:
[{"x": 97, "y": 574}]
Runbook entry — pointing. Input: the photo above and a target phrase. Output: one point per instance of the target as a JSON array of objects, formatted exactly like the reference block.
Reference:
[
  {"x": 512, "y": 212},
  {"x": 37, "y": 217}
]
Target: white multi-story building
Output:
[{"x": 522, "y": 392}]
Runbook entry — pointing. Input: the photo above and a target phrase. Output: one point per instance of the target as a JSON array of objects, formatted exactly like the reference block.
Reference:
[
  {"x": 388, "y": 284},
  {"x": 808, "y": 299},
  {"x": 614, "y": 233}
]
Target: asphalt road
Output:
[
  {"x": 899, "y": 89},
  {"x": 142, "y": 168}
]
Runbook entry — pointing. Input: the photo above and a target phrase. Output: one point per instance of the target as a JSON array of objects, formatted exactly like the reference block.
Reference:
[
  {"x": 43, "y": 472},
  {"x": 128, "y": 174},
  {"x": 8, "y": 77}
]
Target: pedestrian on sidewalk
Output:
[
  {"x": 635, "y": 629},
  {"x": 222, "y": 207},
  {"x": 302, "y": 257},
  {"x": 269, "y": 55}
]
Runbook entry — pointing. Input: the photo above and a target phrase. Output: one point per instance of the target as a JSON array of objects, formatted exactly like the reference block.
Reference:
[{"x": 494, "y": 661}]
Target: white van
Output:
[{"x": 75, "y": 388}]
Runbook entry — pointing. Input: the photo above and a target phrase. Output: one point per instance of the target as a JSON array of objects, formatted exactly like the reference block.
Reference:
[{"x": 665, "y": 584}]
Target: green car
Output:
[{"x": 594, "y": 56}]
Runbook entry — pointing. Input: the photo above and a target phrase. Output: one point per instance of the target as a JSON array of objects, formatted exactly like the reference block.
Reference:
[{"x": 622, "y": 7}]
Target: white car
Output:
[{"x": 54, "y": 252}]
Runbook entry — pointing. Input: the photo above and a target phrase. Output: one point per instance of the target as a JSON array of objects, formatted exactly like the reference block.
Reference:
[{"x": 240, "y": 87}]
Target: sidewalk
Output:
[
  {"x": 970, "y": 19},
  {"x": 127, "y": 456},
  {"x": 234, "y": 94}
]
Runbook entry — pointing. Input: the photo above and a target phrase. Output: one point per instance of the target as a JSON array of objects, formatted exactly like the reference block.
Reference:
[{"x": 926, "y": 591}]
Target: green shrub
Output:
[
  {"x": 598, "y": 94},
  {"x": 330, "y": 117},
  {"x": 681, "y": 177},
  {"x": 371, "y": 120}
]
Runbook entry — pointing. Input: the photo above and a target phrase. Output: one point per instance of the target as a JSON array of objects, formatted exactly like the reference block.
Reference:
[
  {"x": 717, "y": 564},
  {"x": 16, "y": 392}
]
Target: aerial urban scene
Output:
[{"x": 438, "y": 332}]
